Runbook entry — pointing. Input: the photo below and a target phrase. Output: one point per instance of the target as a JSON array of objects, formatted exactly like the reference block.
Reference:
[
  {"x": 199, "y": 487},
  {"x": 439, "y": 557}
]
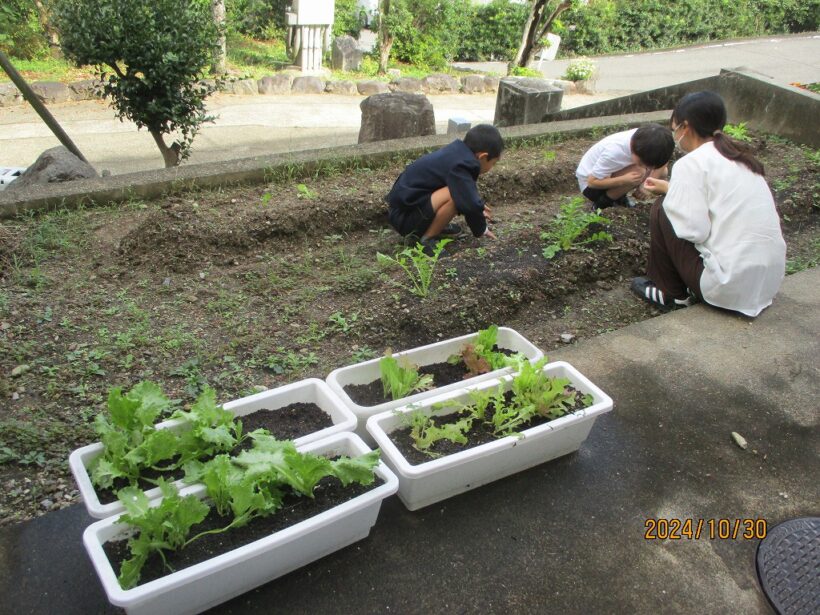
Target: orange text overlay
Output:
[{"x": 713, "y": 529}]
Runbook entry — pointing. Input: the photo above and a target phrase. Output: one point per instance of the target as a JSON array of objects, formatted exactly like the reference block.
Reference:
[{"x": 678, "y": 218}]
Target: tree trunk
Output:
[
  {"x": 44, "y": 18},
  {"x": 218, "y": 10},
  {"x": 536, "y": 28},
  {"x": 169, "y": 154},
  {"x": 385, "y": 37}
]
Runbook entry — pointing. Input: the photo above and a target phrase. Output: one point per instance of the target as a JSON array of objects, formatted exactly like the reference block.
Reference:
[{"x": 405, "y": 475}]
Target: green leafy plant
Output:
[
  {"x": 250, "y": 485},
  {"x": 569, "y": 225},
  {"x": 400, "y": 378},
  {"x": 580, "y": 69},
  {"x": 525, "y": 71},
  {"x": 424, "y": 431},
  {"x": 480, "y": 356},
  {"x": 737, "y": 131},
  {"x": 343, "y": 324},
  {"x": 418, "y": 266},
  {"x": 303, "y": 192},
  {"x": 132, "y": 444}
]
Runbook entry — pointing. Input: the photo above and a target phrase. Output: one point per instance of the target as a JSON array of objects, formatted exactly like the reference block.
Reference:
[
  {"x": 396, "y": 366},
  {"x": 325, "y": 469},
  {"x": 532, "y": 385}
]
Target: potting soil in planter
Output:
[
  {"x": 328, "y": 493},
  {"x": 480, "y": 433},
  {"x": 285, "y": 423},
  {"x": 372, "y": 393}
]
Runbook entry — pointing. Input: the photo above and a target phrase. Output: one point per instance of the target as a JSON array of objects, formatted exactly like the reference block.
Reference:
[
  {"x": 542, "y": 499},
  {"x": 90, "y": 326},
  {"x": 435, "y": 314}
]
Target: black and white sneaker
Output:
[
  {"x": 646, "y": 289},
  {"x": 451, "y": 231}
]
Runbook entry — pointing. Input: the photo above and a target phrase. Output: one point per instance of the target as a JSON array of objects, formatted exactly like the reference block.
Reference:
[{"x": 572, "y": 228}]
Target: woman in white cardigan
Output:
[{"x": 715, "y": 235}]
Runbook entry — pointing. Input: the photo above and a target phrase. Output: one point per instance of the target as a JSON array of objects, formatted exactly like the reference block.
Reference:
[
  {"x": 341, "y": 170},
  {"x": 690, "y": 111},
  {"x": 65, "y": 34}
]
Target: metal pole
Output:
[{"x": 39, "y": 107}]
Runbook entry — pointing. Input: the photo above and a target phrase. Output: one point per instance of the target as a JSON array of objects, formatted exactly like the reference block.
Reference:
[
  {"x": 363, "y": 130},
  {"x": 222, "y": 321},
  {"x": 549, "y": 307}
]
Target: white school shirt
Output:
[
  {"x": 607, "y": 156},
  {"x": 729, "y": 214}
]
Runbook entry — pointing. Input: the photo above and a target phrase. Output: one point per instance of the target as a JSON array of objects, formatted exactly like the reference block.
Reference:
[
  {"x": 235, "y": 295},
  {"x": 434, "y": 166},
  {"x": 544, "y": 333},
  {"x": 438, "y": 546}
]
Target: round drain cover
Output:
[{"x": 788, "y": 565}]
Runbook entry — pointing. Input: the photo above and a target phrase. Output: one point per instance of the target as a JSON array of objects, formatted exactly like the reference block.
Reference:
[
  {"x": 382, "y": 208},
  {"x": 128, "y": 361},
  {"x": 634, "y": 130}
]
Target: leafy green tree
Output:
[
  {"x": 150, "y": 57},
  {"x": 21, "y": 32},
  {"x": 348, "y": 18},
  {"x": 543, "y": 14}
]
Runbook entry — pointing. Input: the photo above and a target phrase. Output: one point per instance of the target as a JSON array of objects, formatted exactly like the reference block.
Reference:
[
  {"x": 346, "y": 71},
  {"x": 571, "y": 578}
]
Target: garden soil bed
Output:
[
  {"x": 268, "y": 284},
  {"x": 329, "y": 493},
  {"x": 286, "y": 423}
]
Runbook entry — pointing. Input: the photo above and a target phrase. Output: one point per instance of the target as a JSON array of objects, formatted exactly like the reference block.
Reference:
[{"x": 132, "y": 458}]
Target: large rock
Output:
[
  {"x": 53, "y": 166},
  {"x": 491, "y": 83},
  {"x": 395, "y": 116},
  {"x": 308, "y": 85},
  {"x": 407, "y": 84},
  {"x": 9, "y": 95},
  {"x": 347, "y": 88},
  {"x": 440, "y": 84},
  {"x": 280, "y": 83},
  {"x": 368, "y": 88},
  {"x": 88, "y": 89},
  {"x": 51, "y": 92},
  {"x": 472, "y": 84},
  {"x": 244, "y": 87},
  {"x": 346, "y": 54},
  {"x": 522, "y": 100}
]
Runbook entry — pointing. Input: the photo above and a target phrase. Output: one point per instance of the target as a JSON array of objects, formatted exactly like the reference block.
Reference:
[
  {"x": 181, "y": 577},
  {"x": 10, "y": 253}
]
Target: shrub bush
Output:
[
  {"x": 605, "y": 26},
  {"x": 580, "y": 70},
  {"x": 428, "y": 32},
  {"x": 21, "y": 35},
  {"x": 492, "y": 31},
  {"x": 348, "y": 18}
]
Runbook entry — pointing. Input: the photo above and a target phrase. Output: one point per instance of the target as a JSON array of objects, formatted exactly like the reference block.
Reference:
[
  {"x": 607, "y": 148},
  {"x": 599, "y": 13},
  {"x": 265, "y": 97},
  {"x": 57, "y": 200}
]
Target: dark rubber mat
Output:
[{"x": 788, "y": 565}]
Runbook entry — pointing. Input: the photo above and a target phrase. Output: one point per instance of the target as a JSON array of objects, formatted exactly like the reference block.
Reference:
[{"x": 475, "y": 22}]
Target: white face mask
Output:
[{"x": 678, "y": 141}]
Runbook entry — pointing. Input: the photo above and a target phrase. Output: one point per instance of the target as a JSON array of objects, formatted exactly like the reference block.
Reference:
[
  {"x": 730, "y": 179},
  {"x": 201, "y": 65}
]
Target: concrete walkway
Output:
[{"x": 566, "y": 536}]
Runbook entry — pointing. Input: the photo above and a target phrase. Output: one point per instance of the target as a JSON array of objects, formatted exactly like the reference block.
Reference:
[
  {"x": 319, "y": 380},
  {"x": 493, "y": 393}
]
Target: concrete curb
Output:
[{"x": 151, "y": 184}]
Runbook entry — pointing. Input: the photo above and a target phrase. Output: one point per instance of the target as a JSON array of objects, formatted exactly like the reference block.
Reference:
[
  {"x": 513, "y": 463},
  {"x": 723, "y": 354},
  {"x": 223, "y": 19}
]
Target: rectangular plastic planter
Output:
[
  {"x": 311, "y": 390},
  {"x": 204, "y": 585},
  {"x": 368, "y": 371},
  {"x": 441, "y": 478}
]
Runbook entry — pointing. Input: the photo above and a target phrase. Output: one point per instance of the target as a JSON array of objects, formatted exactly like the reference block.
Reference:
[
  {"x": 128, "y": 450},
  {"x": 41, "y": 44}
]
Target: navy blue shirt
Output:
[{"x": 454, "y": 166}]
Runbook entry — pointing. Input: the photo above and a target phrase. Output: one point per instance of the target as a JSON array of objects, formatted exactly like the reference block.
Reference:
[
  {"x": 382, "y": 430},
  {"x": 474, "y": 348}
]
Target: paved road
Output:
[{"x": 258, "y": 125}]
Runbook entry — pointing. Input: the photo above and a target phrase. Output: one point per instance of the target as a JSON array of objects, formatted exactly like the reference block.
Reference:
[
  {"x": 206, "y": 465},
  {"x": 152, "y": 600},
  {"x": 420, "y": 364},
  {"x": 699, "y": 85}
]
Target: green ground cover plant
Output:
[
  {"x": 571, "y": 223},
  {"x": 418, "y": 266}
]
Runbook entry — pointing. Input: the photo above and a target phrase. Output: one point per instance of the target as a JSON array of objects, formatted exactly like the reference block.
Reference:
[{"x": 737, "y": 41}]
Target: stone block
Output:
[
  {"x": 522, "y": 100},
  {"x": 88, "y": 89},
  {"x": 244, "y": 87},
  {"x": 51, "y": 92},
  {"x": 53, "y": 166},
  {"x": 491, "y": 83},
  {"x": 348, "y": 88},
  {"x": 345, "y": 54},
  {"x": 368, "y": 88},
  {"x": 457, "y": 126},
  {"x": 280, "y": 83},
  {"x": 411, "y": 85},
  {"x": 472, "y": 84},
  {"x": 308, "y": 85},
  {"x": 9, "y": 95},
  {"x": 396, "y": 115},
  {"x": 440, "y": 83}
]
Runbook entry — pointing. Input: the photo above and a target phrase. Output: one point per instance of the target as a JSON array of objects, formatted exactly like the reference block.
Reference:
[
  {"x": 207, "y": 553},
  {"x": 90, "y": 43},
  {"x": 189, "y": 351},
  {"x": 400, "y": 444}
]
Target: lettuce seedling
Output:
[
  {"x": 425, "y": 432},
  {"x": 399, "y": 379},
  {"x": 480, "y": 356}
]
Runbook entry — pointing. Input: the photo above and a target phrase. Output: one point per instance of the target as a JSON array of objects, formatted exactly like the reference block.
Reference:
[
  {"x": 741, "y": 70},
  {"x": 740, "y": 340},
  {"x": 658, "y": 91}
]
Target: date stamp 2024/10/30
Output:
[{"x": 712, "y": 529}]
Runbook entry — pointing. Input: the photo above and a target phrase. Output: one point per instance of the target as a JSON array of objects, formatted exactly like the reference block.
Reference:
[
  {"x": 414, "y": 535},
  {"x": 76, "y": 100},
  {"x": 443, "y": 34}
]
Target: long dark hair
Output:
[{"x": 706, "y": 114}]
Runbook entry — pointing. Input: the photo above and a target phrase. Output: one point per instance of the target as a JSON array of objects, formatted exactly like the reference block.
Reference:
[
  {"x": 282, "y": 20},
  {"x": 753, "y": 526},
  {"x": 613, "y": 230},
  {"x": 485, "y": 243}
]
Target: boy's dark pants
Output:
[
  {"x": 674, "y": 264},
  {"x": 411, "y": 220}
]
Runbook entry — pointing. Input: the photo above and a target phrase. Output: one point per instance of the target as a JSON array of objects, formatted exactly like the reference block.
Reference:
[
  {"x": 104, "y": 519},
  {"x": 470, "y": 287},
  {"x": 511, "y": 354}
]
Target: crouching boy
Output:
[
  {"x": 435, "y": 188},
  {"x": 620, "y": 163}
]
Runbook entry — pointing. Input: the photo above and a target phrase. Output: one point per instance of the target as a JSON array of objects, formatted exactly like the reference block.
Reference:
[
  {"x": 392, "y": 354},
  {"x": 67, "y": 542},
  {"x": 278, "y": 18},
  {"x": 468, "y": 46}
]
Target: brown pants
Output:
[{"x": 674, "y": 264}]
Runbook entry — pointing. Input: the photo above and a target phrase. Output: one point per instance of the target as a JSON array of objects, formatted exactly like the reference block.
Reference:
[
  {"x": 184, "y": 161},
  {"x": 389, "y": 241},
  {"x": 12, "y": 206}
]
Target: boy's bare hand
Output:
[
  {"x": 488, "y": 213},
  {"x": 633, "y": 178},
  {"x": 490, "y": 234},
  {"x": 656, "y": 186}
]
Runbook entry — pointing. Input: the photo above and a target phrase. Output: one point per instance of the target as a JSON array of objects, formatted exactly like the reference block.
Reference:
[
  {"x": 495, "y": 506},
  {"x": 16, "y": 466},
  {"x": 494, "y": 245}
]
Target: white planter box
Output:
[
  {"x": 364, "y": 373},
  {"x": 444, "y": 477},
  {"x": 199, "y": 587},
  {"x": 311, "y": 390}
]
